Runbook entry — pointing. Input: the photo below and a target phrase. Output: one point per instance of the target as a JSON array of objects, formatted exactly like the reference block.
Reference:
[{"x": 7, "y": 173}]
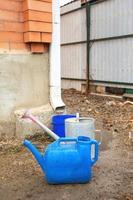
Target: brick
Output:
[
  {"x": 17, "y": 0},
  {"x": 47, "y": 37},
  {"x": 21, "y": 17},
  {"x": 37, "y": 16},
  {"x": 11, "y": 37},
  {"x": 46, "y": 0},
  {"x": 19, "y": 46},
  {"x": 11, "y": 26},
  {"x": 11, "y": 5},
  {"x": 37, "y": 26},
  {"x": 39, "y": 48},
  {"x": 4, "y": 45},
  {"x": 32, "y": 37},
  {"x": 1, "y": 26},
  {"x": 25, "y": 5},
  {"x": 9, "y": 15},
  {"x": 37, "y": 5}
]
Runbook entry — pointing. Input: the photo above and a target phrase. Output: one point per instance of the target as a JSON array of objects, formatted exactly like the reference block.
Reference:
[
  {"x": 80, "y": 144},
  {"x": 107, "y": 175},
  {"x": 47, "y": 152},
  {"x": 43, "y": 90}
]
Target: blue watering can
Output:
[{"x": 67, "y": 160}]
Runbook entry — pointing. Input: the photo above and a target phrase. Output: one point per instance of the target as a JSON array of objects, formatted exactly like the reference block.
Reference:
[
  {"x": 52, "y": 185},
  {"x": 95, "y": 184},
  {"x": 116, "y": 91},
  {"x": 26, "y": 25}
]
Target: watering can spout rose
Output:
[{"x": 67, "y": 160}]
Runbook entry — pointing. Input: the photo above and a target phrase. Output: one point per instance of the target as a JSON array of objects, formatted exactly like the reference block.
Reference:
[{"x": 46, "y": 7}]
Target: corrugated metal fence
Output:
[
  {"x": 73, "y": 45},
  {"x": 110, "y": 42},
  {"x": 111, "y": 32}
]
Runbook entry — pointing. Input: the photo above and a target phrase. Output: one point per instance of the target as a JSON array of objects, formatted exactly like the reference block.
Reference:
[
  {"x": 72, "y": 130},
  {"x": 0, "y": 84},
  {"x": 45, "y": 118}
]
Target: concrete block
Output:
[{"x": 26, "y": 127}]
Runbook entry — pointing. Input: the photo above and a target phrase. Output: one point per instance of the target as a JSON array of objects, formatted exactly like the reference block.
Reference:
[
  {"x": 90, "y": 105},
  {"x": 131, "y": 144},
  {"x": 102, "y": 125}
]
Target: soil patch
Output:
[{"x": 21, "y": 178}]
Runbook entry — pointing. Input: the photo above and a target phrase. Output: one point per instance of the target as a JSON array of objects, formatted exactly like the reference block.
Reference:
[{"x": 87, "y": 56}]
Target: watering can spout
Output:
[{"x": 38, "y": 156}]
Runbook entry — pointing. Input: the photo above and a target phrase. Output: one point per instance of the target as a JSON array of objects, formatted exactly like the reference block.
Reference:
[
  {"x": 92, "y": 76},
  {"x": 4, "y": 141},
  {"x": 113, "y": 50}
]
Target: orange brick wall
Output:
[{"x": 25, "y": 25}]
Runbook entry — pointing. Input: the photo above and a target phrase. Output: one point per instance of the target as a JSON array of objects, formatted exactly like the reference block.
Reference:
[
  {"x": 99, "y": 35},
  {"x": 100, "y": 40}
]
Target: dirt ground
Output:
[{"x": 21, "y": 178}]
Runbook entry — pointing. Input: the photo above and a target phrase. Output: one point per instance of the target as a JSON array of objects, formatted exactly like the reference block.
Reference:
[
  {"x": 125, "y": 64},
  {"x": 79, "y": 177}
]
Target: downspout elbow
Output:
[{"x": 56, "y": 100}]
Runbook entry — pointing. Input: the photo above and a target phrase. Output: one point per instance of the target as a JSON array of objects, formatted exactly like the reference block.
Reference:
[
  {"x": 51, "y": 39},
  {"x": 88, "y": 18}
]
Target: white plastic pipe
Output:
[
  {"x": 55, "y": 66},
  {"x": 27, "y": 114}
]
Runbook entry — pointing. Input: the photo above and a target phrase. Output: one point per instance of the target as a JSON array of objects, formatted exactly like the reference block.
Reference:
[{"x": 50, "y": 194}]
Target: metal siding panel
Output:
[
  {"x": 68, "y": 84},
  {"x": 111, "y": 18},
  {"x": 73, "y": 56},
  {"x": 112, "y": 60},
  {"x": 73, "y": 27},
  {"x": 73, "y": 61},
  {"x": 70, "y": 6}
]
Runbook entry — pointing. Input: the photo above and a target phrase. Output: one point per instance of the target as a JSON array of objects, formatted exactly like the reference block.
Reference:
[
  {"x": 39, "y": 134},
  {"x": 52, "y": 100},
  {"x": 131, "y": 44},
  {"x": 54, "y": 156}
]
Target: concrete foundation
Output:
[{"x": 24, "y": 83}]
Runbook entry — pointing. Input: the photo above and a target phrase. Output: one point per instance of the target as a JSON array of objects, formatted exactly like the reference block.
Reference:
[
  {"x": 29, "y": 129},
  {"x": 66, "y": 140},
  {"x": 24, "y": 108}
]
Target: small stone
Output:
[
  {"x": 87, "y": 101},
  {"x": 110, "y": 103},
  {"x": 89, "y": 110}
]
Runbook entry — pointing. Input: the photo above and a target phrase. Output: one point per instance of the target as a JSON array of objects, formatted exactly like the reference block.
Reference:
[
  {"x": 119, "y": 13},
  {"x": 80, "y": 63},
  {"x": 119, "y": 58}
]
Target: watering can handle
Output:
[
  {"x": 66, "y": 140},
  {"x": 93, "y": 160}
]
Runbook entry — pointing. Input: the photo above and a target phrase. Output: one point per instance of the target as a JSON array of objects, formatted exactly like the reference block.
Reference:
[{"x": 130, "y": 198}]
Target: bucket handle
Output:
[
  {"x": 67, "y": 140},
  {"x": 94, "y": 160}
]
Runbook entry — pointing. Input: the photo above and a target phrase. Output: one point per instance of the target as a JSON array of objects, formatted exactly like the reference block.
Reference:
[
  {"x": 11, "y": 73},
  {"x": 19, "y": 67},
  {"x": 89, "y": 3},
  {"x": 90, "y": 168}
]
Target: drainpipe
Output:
[{"x": 55, "y": 65}]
